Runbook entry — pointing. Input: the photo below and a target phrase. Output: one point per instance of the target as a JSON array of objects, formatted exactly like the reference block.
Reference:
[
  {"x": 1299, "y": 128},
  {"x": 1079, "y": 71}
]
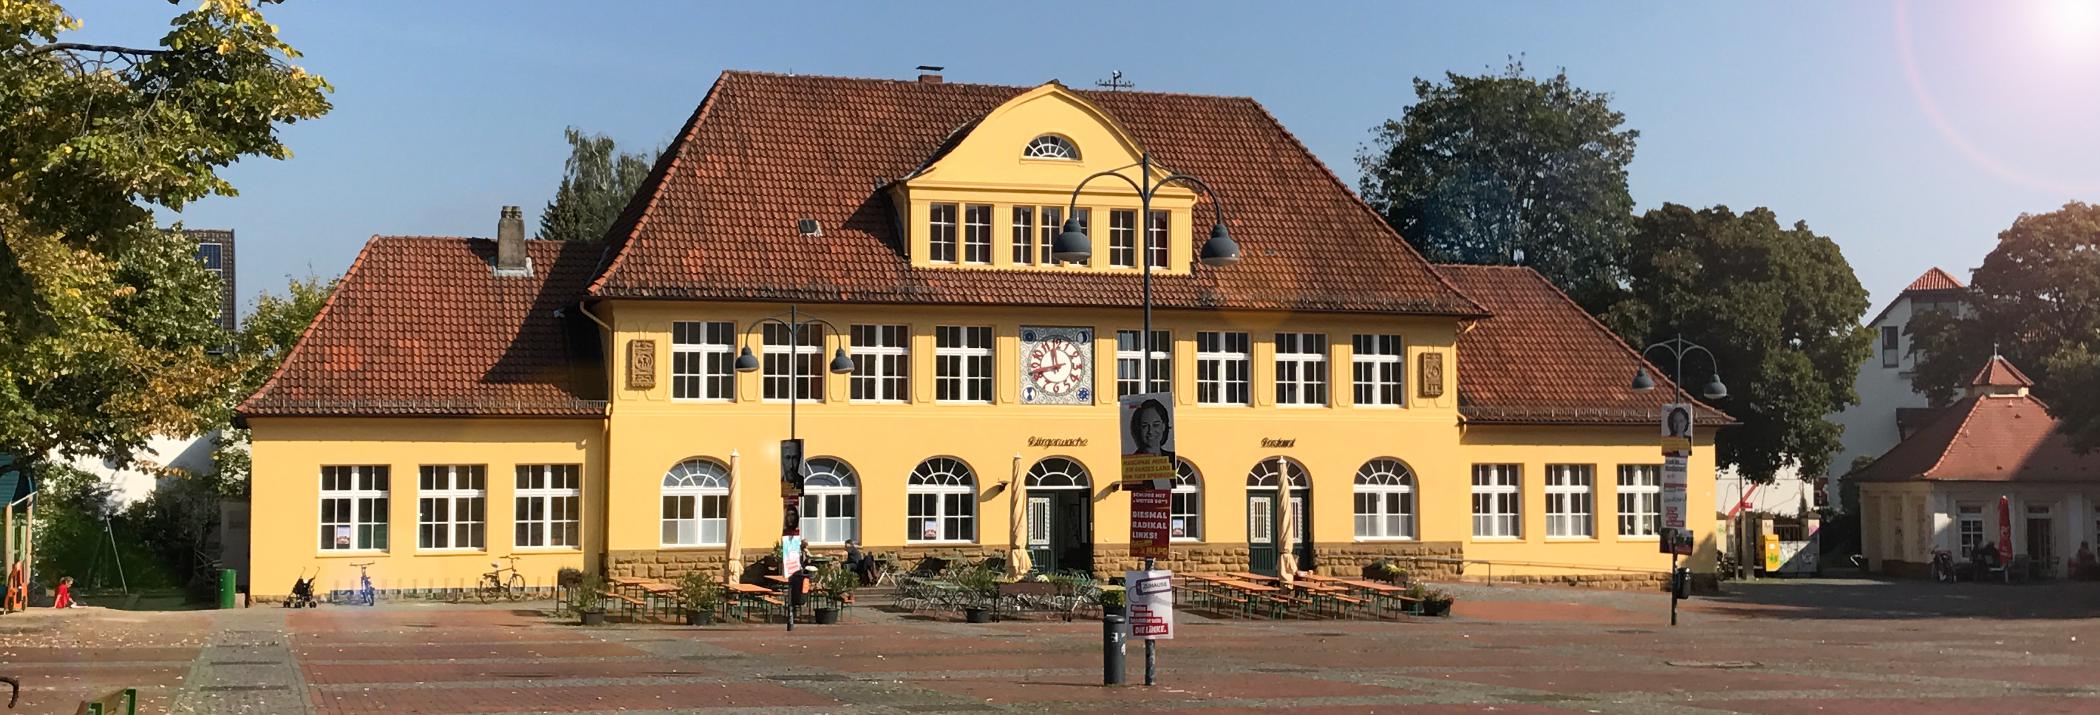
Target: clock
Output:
[{"x": 1057, "y": 366}]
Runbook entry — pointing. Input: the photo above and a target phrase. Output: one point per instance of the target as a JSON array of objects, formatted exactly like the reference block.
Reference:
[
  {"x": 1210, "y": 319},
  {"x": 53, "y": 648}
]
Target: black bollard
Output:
[{"x": 1114, "y": 632}]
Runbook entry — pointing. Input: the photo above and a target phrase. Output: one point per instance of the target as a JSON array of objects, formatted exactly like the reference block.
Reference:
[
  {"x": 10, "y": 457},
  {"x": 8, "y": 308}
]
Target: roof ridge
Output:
[
  {"x": 665, "y": 165},
  {"x": 1653, "y": 370},
  {"x": 1975, "y": 403},
  {"x": 300, "y": 344},
  {"x": 945, "y": 83}
]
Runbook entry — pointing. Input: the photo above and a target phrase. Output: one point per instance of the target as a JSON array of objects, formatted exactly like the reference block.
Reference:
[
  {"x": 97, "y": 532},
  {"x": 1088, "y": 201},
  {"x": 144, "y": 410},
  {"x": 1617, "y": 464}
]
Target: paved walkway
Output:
[{"x": 1830, "y": 646}]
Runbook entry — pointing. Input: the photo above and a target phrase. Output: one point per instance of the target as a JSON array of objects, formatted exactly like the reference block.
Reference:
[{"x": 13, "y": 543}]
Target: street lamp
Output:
[
  {"x": 841, "y": 363},
  {"x": 1073, "y": 246},
  {"x": 1677, "y": 348}
]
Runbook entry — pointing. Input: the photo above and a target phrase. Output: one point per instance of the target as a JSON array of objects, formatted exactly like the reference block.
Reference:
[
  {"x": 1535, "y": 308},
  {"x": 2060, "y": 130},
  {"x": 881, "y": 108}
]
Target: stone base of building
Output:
[
  {"x": 1602, "y": 581},
  {"x": 1431, "y": 560}
]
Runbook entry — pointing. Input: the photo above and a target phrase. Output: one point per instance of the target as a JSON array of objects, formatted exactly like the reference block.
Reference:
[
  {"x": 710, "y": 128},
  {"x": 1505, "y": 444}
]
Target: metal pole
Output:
[
  {"x": 794, "y": 389},
  {"x": 1144, "y": 243}
]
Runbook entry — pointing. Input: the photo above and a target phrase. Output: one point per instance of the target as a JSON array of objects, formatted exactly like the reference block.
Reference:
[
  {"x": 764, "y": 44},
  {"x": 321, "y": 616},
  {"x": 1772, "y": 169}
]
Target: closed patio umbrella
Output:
[
  {"x": 1017, "y": 561},
  {"x": 1287, "y": 535},
  {"x": 733, "y": 545}
]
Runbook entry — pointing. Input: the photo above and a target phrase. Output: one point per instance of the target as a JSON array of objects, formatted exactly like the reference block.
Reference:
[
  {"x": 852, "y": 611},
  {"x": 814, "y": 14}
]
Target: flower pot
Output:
[
  {"x": 977, "y": 615},
  {"x": 827, "y": 616},
  {"x": 699, "y": 618},
  {"x": 594, "y": 618},
  {"x": 1436, "y": 608},
  {"x": 1123, "y": 610}
]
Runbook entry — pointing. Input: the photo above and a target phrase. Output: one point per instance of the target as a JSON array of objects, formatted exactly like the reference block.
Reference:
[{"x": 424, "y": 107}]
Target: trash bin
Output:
[{"x": 227, "y": 595}]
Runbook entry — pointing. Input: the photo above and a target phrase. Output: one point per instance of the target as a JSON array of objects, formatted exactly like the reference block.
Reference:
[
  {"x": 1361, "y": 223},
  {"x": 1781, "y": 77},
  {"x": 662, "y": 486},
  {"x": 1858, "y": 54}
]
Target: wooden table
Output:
[{"x": 1254, "y": 577}]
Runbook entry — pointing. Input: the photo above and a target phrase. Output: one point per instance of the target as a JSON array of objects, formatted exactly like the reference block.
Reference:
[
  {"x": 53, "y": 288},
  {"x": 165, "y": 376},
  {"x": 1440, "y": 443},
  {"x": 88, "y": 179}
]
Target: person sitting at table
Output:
[{"x": 861, "y": 562}]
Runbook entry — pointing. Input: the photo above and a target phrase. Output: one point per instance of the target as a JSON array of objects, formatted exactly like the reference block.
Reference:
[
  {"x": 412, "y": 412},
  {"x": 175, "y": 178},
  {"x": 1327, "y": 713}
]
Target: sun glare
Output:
[{"x": 2071, "y": 26}]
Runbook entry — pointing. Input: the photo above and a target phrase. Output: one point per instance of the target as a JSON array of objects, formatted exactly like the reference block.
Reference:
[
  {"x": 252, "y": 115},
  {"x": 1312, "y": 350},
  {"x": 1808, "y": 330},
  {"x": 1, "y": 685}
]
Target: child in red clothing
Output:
[{"x": 65, "y": 594}]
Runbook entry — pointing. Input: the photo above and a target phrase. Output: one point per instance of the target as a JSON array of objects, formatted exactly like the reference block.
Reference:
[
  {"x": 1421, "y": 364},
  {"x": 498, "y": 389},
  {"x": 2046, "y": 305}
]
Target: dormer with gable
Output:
[{"x": 998, "y": 191}]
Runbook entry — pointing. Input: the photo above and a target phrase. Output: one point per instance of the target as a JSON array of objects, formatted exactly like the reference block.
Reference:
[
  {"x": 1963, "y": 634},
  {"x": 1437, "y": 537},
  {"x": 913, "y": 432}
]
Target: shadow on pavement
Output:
[{"x": 1901, "y": 599}]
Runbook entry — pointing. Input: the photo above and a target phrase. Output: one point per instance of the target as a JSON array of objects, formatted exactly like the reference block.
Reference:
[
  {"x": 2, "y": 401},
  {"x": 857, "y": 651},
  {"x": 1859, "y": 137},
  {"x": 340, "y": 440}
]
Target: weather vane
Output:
[{"x": 1114, "y": 82}]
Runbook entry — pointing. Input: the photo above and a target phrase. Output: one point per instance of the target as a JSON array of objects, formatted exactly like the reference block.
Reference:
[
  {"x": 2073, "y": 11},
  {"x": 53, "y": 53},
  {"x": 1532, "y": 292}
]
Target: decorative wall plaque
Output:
[
  {"x": 641, "y": 364},
  {"x": 1432, "y": 375}
]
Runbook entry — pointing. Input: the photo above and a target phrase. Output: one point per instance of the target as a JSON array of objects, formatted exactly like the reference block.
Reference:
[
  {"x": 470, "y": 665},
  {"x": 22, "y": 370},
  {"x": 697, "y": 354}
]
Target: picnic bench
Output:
[{"x": 120, "y": 702}]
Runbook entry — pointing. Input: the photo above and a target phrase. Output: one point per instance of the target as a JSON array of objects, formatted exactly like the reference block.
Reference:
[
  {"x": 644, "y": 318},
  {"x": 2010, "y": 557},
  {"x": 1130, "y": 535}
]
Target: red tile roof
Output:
[
  {"x": 716, "y": 219},
  {"x": 422, "y": 327},
  {"x": 1999, "y": 372},
  {"x": 1934, "y": 279},
  {"x": 1542, "y": 360},
  {"x": 1987, "y": 438}
]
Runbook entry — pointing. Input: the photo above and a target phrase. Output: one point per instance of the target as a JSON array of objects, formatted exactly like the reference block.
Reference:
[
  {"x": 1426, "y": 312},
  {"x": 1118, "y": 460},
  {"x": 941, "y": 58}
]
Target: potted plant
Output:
[
  {"x": 588, "y": 600},
  {"x": 1437, "y": 602},
  {"x": 836, "y": 584},
  {"x": 982, "y": 588},
  {"x": 1417, "y": 597},
  {"x": 700, "y": 594},
  {"x": 1113, "y": 600}
]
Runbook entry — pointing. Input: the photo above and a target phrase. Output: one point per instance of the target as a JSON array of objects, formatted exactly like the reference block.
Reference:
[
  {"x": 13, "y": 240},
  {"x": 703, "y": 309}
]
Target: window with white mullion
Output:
[
  {"x": 881, "y": 363},
  {"x": 830, "y": 501},
  {"x": 1569, "y": 500},
  {"x": 1969, "y": 527},
  {"x": 977, "y": 234},
  {"x": 1222, "y": 369},
  {"x": 452, "y": 508},
  {"x": 1378, "y": 367},
  {"x": 701, "y": 364},
  {"x": 1640, "y": 499},
  {"x": 1024, "y": 235},
  {"x": 1122, "y": 238},
  {"x": 941, "y": 502},
  {"x": 1051, "y": 223},
  {"x": 962, "y": 361},
  {"x": 793, "y": 361},
  {"x": 1156, "y": 240},
  {"x": 940, "y": 233},
  {"x": 549, "y": 501},
  {"x": 1301, "y": 369},
  {"x": 1385, "y": 500},
  {"x": 696, "y": 504},
  {"x": 354, "y": 508},
  {"x": 1130, "y": 378},
  {"x": 1496, "y": 501},
  {"x": 1185, "y": 511}
]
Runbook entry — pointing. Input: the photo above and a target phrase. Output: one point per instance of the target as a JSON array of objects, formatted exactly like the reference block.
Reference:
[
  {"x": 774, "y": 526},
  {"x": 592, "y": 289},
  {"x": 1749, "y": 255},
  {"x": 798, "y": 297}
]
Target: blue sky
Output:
[{"x": 1910, "y": 133}]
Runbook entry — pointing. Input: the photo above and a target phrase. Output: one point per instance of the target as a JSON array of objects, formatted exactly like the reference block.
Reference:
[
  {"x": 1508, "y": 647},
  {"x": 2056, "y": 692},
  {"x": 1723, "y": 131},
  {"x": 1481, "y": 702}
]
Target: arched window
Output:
[
  {"x": 830, "y": 501},
  {"x": 1187, "y": 513},
  {"x": 1269, "y": 473},
  {"x": 1058, "y": 473},
  {"x": 1051, "y": 146},
  {"x": 1385, "y": 500},
  {"x": 696, "y": 504},
  {"x": 942, "y": 496}
]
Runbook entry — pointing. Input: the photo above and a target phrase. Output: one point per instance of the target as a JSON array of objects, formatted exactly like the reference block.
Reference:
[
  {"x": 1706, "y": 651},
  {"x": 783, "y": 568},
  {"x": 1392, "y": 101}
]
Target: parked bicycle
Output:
[
  {"x": 495, "y": 586},
  {"x": 14, "y": 690},
  {"x": 365, "y": 593}
]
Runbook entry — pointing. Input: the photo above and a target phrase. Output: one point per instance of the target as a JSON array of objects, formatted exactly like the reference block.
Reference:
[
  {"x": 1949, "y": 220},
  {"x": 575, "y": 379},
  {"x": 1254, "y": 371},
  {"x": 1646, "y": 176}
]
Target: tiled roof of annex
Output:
[{"x": 1999, "y": 433}]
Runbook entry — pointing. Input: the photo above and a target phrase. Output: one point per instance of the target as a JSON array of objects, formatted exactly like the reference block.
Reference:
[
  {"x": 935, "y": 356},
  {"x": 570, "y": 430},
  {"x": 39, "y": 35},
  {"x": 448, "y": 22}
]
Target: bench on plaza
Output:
[{"x": 121, "y": 702}]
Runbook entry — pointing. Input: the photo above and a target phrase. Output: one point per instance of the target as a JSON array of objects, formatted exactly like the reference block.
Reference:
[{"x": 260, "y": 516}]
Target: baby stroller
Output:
[{"x": 302, "y": 591}]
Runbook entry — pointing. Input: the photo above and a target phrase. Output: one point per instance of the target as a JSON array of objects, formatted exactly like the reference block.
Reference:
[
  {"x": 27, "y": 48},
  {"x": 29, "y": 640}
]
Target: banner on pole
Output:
[
  {"x": 1151, "y": 598},
  {"x": 1677, "y": 427},
  {"x": 791, "y": 467},
  {"x": 790, "y": 555},
  {"x": 1151, "y": 523},
  {"x": 2005, "y": 550},
  {"x": 1676, "y": 482},
  {"x": 1677, "y": 541},
  {"x": 1147, "y": 422}
]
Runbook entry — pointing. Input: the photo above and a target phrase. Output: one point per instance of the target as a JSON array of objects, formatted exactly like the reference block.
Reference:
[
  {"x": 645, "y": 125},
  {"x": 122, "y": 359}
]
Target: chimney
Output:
[
  {"x": 929, "y": 79},
  {"x": 930, "y": 74},
  {"x": 511, "y": 259}
]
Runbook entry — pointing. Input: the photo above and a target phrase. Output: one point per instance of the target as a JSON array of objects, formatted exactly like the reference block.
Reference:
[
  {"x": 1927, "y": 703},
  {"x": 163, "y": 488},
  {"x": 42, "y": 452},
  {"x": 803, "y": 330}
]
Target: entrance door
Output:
[
  {"x": 1039, "y": 530},
  {"x": 1303, "y": 507},
  {"x": 2041, "y": 544},
  {"x": 1072, "y": 538},
  {"x": 1261, "y": 533},
  {"x": 1060, "y": 516}
]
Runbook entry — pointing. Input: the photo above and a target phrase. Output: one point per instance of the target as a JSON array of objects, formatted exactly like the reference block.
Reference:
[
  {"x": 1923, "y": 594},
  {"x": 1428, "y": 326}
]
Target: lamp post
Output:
[
  {"x": 1072, "y": 245},
  {"x": 1678, "y": 348},
  {"x": 841, "y": 363}
]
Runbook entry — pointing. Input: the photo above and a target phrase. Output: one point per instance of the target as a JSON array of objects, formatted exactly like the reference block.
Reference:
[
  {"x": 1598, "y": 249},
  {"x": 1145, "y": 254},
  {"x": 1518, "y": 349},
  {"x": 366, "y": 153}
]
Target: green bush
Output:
[{"x": 699, "y": 592}]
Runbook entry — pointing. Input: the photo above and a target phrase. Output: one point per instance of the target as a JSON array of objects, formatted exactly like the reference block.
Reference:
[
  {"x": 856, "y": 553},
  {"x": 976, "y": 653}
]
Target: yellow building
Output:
[{"x": 463, "y": 399}]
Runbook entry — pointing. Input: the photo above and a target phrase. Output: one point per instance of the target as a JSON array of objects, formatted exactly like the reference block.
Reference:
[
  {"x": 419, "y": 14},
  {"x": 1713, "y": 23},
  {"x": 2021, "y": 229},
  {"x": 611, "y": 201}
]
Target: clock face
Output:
[{"x": 1057, "y": 366}]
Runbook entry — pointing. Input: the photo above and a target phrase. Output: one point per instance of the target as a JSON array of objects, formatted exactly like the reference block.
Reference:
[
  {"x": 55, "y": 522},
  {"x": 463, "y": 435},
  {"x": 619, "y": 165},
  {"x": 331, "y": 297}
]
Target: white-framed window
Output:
[
  {"x": 1301, "y": 369},
  {"x": 962, "y": 363},
  {"x": 1385, "y": 500},
  {"x": 1024, "y": 235},
  {"x": 942, "y": 497},
  {"x": 1379, "y": 366},
  {"x": 1185, "y": 515},
  {"x": 354, "y": 508},
  {"x": 1497, "y": 499},
  {"x": 702, "y": 362},
  {"x": 1968, "y": 525},
  {"x": 1640, "y": 499},
  {"x": 1051, "y": 146},
  {"x": 1053, "y": 223},
  {"x": 696, "y": 504},
  {"x": 1130, "y": 378},
  {"x": 213, "y": 256},
  {"x": 1222, "y": 368},
  {"x": 1891, "y": 346},
  {"x": 940, "y": 233},
  {"x": 1156, "y": 240},
  {"x": 1570, "y": 501},
  {"x": 794, "y": 359},
  {"x": 830, "y": 501},
  {"x": 977, "y": 234},
  {"x": 549, "y": 503},
  {"x": 452, "y": 507},
  {"x": 1122, "y": 238},
  {"x": 881, "y": 363}
]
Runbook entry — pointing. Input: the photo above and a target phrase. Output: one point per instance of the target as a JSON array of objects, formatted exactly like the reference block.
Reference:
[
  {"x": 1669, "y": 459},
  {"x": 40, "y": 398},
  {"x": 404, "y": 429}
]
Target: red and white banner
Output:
[{"x": 2005, "y": 551}]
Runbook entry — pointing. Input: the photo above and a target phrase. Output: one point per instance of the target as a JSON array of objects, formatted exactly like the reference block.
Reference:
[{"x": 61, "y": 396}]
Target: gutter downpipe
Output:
[{"x": 604, "y": 445}]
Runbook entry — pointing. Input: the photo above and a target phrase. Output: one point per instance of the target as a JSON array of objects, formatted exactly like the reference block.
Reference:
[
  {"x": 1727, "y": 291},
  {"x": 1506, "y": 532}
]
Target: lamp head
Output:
[
  {"x": 1220, "y": 250},
  {"x": 745, "y": 361},
  {"x": 1072, "y": 244},
  {"x": 841, "y": 363},
  {"x": 1641, "y": 381},
  {"x": 1714, "y": 389}
]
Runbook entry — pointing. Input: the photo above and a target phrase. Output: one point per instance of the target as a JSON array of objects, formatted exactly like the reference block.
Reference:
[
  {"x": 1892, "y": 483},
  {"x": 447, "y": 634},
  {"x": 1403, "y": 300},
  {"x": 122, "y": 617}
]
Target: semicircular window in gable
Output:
[{"x": 1051, "y": 146}]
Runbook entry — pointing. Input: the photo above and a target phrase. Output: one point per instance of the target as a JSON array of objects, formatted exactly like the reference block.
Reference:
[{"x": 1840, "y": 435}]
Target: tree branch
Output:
[{"x": 84, "y": 47}]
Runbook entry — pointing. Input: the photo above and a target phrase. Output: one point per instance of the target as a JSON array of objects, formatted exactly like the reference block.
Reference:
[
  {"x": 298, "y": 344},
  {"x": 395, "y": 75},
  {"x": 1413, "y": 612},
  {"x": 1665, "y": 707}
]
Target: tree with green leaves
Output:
[
  {"x": 272, "y": 329},
  {"x": 106, "y": 318},
  {"x": 1509, "y": 168},
  {"x": 2035, "y": 300},
  {"x": 595, "y": 185},
  {"x": 1778, "y": 306}
]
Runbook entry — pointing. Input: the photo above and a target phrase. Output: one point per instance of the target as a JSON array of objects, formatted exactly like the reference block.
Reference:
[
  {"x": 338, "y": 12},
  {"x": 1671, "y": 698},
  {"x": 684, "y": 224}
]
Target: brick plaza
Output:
[{"x": 1836, "y": 647}]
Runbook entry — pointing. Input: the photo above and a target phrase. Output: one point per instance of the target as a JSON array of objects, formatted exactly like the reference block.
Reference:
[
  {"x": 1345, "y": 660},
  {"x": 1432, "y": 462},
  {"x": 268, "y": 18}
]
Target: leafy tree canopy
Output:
[
  {"x": 106, "y": 318},
  {"x": 596, "y": 183},
  {"x": 1482, "y": 168},
  {"x": 1779, "y": 308},
  {"x": 2035, "y": 300}
]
